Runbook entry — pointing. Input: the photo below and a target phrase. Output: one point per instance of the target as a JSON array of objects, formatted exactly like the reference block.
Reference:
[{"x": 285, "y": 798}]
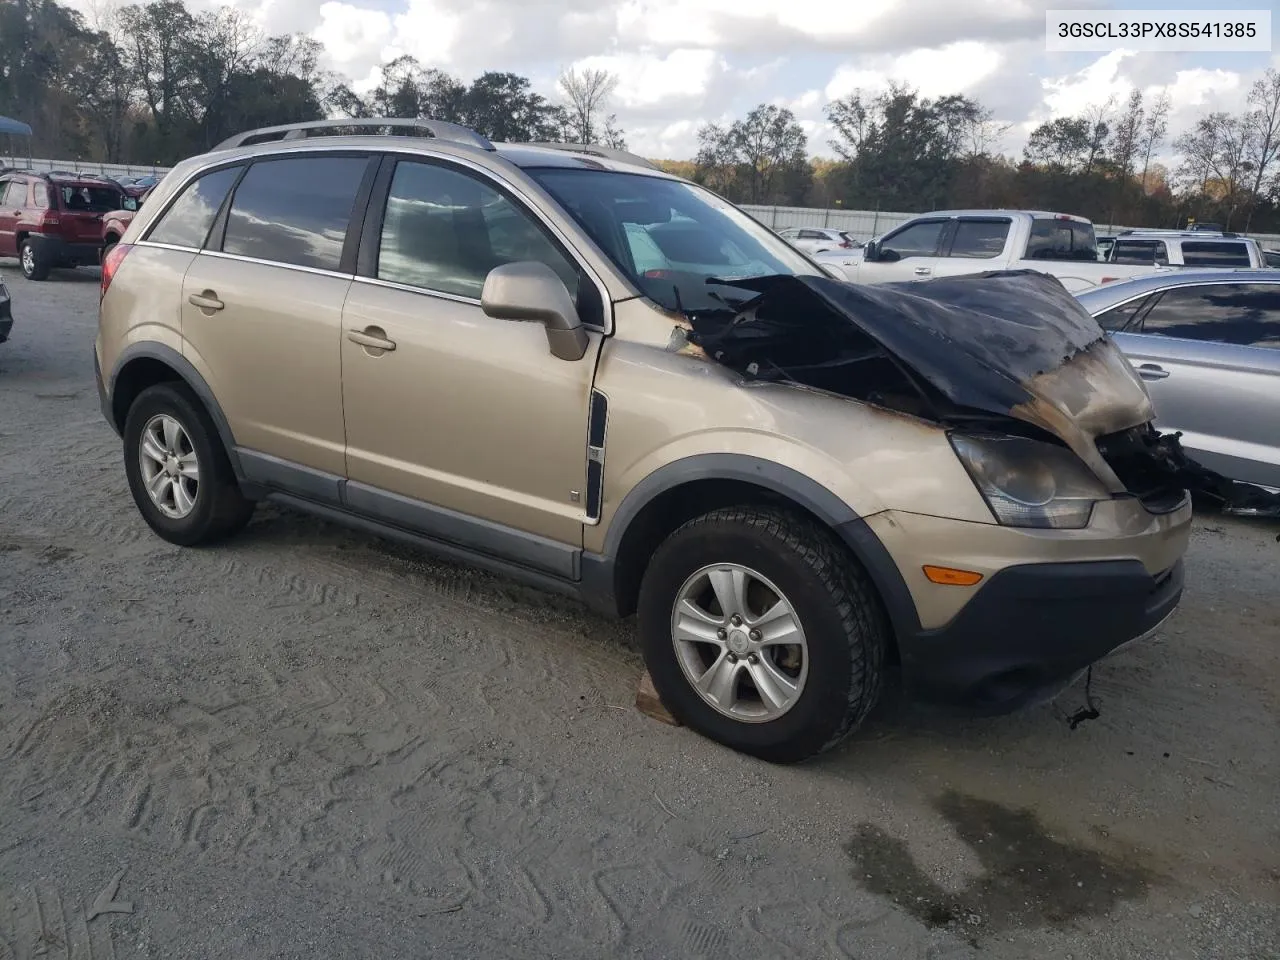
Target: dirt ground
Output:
[{"x": 311, "y": 743}]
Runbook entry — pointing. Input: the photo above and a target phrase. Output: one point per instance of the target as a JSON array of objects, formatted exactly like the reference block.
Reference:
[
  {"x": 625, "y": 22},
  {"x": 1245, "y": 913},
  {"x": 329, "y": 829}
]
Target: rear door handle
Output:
[
  {"x": 371, "y": 338},
  {"x": 923, "y": 271},
  {"x": 206, "y": 301},
  {"x": 1152, "y": 371}
]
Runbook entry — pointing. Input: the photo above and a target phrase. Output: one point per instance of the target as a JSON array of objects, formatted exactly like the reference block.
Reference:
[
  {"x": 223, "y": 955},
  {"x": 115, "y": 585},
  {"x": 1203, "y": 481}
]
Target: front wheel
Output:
[{"x": 760, "y": 633}]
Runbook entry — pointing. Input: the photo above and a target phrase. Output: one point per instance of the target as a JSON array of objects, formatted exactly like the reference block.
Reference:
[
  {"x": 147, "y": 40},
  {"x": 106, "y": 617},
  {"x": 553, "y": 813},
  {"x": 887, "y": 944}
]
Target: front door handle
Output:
[
  {"x": 372, "y": 338},
  {"x": 207, "y": 301},
  {"x": 923, "y": 271},
  {"x": 1152, "y": 371}
]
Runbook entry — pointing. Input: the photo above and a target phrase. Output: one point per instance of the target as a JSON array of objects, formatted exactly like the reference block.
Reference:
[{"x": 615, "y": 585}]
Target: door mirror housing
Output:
[
  {"x": 871, "y": 252},
  {"x": 529, "y": 290}
]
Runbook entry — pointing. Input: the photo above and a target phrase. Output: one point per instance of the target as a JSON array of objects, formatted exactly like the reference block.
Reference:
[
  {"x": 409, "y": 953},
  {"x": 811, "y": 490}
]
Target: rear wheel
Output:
[
  {"x": 177, "y": 469},
  {"x": 35, "y": 263},
  {"x": 760, "y": 633}
]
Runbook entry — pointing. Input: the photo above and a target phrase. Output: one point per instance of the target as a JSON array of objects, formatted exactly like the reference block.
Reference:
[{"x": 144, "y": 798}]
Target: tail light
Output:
[
  {"x": 1109, "y": 279},
  {"x": 846, "y": 245},
  {"x": 111, "y": 263}
]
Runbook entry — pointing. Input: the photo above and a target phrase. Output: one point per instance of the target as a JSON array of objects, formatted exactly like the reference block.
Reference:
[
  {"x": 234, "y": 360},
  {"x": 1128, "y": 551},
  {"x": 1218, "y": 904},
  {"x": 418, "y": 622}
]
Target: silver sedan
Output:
[{"x": 1207, "y": 344}]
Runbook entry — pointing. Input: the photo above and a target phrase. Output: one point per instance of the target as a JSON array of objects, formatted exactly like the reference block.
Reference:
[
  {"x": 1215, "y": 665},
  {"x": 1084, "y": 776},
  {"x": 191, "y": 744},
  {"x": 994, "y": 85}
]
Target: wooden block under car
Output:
[{"x": 649, "y": 703}]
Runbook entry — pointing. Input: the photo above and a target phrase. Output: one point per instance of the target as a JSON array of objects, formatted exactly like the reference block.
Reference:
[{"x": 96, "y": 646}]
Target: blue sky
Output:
[{"x": 682, "y": 63}]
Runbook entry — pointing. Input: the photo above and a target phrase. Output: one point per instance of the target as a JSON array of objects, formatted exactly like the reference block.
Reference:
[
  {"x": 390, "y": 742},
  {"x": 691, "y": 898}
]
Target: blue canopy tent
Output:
[{"x": 9, "y": 129}]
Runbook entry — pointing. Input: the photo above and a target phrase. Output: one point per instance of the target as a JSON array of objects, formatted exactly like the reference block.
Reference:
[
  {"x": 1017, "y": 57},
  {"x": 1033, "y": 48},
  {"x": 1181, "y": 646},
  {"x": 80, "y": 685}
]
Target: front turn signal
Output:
[{"x": 950, "y": 576}]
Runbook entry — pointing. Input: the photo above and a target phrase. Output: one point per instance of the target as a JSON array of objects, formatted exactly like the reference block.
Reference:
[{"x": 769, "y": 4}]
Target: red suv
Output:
[{"x": 50, "y": 220}]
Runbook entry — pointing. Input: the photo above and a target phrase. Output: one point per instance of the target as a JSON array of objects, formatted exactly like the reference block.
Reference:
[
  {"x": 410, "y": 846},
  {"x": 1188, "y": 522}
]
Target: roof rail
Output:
[
  {"x": 595, "y": 150},
  {"x": 439, "y": 129}
]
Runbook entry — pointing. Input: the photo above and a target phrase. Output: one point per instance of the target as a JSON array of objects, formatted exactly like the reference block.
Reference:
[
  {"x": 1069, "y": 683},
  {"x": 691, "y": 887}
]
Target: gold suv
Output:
[{"x": 566, "y": 365}]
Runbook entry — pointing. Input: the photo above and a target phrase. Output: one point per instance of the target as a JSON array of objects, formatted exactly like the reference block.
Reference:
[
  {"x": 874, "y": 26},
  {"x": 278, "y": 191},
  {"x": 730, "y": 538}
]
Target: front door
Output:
[
  {"x": 460, "y": 425},
  {"x": 908, "y": 253},
  {"x": 1210, "y": 356}
]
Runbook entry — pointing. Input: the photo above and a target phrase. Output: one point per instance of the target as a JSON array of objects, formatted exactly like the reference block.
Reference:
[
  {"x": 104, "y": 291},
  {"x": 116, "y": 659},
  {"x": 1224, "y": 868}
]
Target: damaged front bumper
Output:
[{"x": 1033, "y": 628}]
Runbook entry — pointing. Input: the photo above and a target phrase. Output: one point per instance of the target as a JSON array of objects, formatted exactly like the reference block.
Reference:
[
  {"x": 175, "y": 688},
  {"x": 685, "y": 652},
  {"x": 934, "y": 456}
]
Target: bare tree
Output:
[
  {"x": 1127, "y": 135},
  {"x": 1214, "y": 155},
  {"x": 1263, "y": 140},
  {"x": 1155, "y": 126},
  {"x": 588, "y": 93},
  {"x": 1098, "y": 117}
]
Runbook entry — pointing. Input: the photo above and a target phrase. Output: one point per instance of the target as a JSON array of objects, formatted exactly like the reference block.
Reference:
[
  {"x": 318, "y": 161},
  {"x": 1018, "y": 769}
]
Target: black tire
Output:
[
  {"x": 107, "y": 248},
  {"x": 39, "y": 262},
  {"x": 844, "y": 624},
  {"x": 220, "y": 508}
]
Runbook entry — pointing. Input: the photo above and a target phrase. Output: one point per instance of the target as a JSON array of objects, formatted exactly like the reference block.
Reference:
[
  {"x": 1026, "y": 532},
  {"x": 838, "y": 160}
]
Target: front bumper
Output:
[{"x": 1031, "y": 629}]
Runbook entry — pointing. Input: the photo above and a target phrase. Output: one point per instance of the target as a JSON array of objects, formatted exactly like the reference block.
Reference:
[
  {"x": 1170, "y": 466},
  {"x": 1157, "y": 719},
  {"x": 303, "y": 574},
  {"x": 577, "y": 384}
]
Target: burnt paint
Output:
[{"x": 1030, "y": 877}]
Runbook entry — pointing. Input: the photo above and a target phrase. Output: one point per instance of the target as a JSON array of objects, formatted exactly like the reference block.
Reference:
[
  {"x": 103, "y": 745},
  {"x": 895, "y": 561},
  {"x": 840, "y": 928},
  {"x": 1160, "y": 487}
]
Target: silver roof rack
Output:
[
  {"x": 439, "y": 129},
  {"x": 595, "y": 150}
]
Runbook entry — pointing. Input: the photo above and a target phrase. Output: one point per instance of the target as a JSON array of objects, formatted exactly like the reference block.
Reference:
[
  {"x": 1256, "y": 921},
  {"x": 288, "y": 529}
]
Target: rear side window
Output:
[
  {"x": 295, "y": 210},
  {"x": 1054, "y": 239},
  {"x": 186, "y": 223},
  {"x": 1140, "y": 252},
  {"x": 980, "y": 239},
  {"x": 1206, "y": 253},
  {"x": 1244, "y": 314},
  {"x": 1117, "y": 318}
]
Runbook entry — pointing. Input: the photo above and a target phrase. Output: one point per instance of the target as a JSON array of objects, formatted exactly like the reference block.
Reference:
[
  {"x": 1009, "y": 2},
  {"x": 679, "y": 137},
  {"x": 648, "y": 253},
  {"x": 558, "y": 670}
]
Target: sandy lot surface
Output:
[{"x": 311, "y": 743}]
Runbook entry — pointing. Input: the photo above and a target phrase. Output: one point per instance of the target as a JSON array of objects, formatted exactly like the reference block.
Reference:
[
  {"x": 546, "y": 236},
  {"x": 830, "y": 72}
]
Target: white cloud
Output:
[
  {"x": 933, "y": 72},
  {"x": 646, "y": 79}
]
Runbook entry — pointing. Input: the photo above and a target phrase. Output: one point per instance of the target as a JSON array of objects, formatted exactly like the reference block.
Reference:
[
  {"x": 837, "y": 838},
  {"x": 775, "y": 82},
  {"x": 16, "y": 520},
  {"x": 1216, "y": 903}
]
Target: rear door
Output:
[
  {"x": 262, "y": 311},
  {"x": 1210, "y": 355},
  {"x": 81, "y": 208},
  {"x": 975, "y": 245}
]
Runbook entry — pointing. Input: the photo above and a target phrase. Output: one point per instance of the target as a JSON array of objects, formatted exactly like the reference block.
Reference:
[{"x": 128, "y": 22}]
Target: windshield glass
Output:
[{"x": 671, "y": 237}]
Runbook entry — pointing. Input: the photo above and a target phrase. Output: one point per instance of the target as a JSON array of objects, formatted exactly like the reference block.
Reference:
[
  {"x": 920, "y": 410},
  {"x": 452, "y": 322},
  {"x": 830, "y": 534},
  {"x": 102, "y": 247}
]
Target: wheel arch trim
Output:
[
  {"x": 189, "y": 375},
  {"x": 804, "y": 491}
]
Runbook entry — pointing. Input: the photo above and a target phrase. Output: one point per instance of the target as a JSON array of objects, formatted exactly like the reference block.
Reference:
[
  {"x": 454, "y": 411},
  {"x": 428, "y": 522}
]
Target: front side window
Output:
[
  {"x": 1118, "y": 318},
  {"x": 1244, "y": 314},
  {"x": 1202, "y": 253},
  {"x": 295, "y": 210},
  {"x": 672, "y": 239},
  {"x": 186, "y": 223},
  {"x": 917, "y": 240},
  {"x": 444, "y": 230},
  {"x": 980, "y": 239},
  {"x": 13, "y": 194}
]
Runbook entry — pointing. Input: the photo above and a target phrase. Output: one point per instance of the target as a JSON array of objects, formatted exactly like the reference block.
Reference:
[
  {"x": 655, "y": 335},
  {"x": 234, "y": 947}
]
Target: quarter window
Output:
[
  {"x": 187, "y": 222},
  {"x": 1244, "y": 314},
  {"x": 1117, "y": 318},
  {"x": 444, "y": 230},
  {"x": 295, "y": 210}
]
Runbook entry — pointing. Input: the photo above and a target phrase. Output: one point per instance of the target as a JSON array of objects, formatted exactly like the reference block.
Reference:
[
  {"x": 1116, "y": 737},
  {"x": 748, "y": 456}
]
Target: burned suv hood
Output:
[{"x": 1005, "y": 344}]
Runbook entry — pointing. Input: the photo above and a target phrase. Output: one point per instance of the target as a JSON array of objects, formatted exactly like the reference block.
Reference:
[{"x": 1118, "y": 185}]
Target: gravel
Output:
[{"x": 309, "y": 742}]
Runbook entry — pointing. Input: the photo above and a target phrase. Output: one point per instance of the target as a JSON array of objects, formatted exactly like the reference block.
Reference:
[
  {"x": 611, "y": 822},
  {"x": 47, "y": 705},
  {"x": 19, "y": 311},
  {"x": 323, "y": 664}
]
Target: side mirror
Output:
[
  {"x": 871, "y": 252},
  {"x": 530, "y": 290}
]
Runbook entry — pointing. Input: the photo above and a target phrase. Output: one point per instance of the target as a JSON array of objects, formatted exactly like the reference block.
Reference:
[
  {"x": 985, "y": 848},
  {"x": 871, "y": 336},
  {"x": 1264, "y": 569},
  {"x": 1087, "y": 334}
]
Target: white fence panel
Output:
[{"x": 43, "y": 165}]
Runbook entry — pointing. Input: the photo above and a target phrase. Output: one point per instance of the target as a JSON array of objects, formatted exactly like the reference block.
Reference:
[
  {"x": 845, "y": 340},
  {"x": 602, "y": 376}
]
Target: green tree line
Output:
[
  {"x": 899, "y": 151},
  {"x": 154, "y": 83}
]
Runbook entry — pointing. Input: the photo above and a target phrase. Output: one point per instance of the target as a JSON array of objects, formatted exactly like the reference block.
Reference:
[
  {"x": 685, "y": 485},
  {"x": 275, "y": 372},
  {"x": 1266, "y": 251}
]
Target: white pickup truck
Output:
[{"x": 952, "y": 242}]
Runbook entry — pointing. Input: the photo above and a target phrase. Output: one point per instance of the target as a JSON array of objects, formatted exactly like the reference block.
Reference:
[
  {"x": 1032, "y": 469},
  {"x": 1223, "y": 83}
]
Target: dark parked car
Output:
[{"x": 49, "y": 220}]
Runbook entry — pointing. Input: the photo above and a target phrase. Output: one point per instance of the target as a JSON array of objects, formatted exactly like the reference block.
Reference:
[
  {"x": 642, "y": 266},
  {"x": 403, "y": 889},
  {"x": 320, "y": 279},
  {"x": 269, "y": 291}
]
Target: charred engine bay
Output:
[{"x": 970, "y": 352}]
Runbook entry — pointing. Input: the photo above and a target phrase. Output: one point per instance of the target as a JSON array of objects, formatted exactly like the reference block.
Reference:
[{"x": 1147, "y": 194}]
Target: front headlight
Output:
[{"x": 1028, "y": 483}]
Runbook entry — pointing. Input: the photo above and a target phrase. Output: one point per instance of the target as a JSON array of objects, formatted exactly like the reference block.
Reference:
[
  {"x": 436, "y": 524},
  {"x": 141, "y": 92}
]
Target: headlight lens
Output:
[{"x": 1028, "y": 483}]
